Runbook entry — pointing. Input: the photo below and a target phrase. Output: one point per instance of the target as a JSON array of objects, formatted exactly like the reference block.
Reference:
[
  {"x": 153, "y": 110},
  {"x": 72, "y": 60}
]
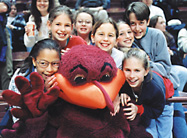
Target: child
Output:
[
  {"x": 44, "y": 58},
  {"x": 126, "y": 36},
  {"x": 104, "y": 35},
  {"x": 83, "y": 23},
  {"x": 60, "y": 25},
  {"x": 39, "y": 15},
  {"x": 148, "y": 92},
  {"x": 153, "y": 42}
]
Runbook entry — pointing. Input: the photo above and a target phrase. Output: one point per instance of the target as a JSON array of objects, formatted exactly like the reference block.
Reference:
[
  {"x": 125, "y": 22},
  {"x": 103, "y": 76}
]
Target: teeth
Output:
[
  {"x": 127, "y": 41},
  {"x": 105, "y": 45},
  {"x": 82, "y": 29},
  {"x": 132, "y": 81},
  {"x": 62, "y": 35}
]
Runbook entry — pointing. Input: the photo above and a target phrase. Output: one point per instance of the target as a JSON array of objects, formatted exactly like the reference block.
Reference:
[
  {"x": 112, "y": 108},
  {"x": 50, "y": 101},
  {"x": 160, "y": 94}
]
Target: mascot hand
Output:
[{"x": 33, "y": 101}]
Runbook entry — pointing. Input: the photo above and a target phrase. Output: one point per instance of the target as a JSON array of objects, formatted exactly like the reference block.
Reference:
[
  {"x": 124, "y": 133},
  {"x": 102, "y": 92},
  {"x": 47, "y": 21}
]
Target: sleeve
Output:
[
  {"x": 172, "y": 44},
  {"x": 154, "y": 106},
  {"x": 160, "y": 61},
  {"x": 182, "y": 40},
  {"x": 12, "y": 85}
]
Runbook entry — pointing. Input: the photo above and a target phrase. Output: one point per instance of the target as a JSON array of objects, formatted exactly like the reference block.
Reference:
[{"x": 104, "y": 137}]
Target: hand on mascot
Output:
[{"x": 32, "y": 100}]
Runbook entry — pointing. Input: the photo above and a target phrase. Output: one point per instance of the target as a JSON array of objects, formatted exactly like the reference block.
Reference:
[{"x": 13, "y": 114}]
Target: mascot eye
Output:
[
  {"x": 105, "y": 77},
  {"x": 80, "y": 79}
]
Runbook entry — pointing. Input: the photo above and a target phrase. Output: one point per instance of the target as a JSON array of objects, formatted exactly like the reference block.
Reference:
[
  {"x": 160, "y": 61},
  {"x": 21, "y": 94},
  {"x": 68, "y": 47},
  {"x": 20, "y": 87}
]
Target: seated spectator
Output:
[
  {"x": 154, "y": 10},
  {"x": 176, "y": 56},
  {"x": 97, "y": 6},
  {"x": 83, "y": 23},
  {"x": 16, "y": 23},
  {"x": 182, "y": 43},
  {"x": 39, "y": 16}
]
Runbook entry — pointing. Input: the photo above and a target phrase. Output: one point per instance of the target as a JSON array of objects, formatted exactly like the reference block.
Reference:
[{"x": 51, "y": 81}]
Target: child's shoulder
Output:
[
  {"x": 153, "y": 32},
  {"x": 156, "y": 82},
  {"x": 74, "y": 37},
  {"x": 75, "y": 40}
]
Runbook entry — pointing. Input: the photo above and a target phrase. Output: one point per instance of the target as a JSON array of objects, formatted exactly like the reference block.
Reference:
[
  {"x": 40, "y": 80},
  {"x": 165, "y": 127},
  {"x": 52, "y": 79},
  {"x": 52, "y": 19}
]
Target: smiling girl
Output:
[
  {"x": 144, "y": 93},
  {"x": 126, "y": 37},
  {"x": 44, "y": 58},
  {"x": 104, "y": 35},
  {"x": 60, "y": 25}
]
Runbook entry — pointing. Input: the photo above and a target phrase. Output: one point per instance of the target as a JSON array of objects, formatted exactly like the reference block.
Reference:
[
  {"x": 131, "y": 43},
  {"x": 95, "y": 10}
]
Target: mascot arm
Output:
[
  {"x": 30, "y": 128},
  {"x": 33, "y": 101}
]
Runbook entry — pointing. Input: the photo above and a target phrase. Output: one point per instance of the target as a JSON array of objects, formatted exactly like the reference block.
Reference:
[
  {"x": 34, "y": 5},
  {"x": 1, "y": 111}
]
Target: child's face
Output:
[
  {"x": 13, "y": 11},
  {"x": 42, "y": 5},
  {"x": 105, "y": 37},
  {"x": 126, "y": 37},
  {"x": 161, "y": 25},
  {"x": 47, "y": 63},
  {"x": 138, "y": 27},
  {"x": 83, "y": 24},
  {"x": 61, "y": 28},
  {"x": 134, "y": 72}
]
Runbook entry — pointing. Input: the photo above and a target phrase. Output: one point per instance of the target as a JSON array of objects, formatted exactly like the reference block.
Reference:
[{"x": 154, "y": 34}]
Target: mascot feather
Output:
[{"x": 79, "y": 107}]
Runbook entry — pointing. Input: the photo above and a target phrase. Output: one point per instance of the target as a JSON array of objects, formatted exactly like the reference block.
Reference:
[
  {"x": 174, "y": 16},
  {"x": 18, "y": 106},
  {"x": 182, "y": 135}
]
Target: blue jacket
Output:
[{"x": 152, "y": 96}]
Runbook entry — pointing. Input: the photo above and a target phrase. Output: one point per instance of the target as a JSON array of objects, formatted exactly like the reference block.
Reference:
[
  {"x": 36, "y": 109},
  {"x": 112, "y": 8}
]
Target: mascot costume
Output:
[{"x": 79, "y": 107}]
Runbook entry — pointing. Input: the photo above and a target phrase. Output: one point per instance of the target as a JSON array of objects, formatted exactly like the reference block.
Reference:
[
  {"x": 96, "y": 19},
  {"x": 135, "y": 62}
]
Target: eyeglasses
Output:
[
  {"x": 86, "y": 22},
  {"x": 45, "y": 64}
]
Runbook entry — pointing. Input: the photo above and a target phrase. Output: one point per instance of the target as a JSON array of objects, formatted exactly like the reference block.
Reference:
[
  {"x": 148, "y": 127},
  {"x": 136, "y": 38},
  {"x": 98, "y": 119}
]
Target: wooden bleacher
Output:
[{"x": 18, "y": 59}]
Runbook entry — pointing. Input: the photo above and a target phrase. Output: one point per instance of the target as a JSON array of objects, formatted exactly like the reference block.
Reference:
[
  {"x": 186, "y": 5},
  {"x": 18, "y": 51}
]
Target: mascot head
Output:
[{"x": 88, "y": 77}]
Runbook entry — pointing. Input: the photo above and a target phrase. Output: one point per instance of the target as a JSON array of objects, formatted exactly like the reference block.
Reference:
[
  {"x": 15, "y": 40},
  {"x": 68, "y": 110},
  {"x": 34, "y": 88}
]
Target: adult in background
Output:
[
  {"x": 39, "y": 17},
  {"x": 154, "y": 10}
]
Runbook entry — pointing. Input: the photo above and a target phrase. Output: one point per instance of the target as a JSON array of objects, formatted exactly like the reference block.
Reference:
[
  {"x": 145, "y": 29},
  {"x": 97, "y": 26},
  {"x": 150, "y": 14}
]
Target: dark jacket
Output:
[
  {"x": 18, "y": 33},
  {"x": 152, "y": 96}
]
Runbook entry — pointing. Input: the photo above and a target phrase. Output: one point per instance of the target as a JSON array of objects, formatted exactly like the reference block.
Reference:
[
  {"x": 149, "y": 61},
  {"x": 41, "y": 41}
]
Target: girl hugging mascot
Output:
[{"x": 89, "y": 82}]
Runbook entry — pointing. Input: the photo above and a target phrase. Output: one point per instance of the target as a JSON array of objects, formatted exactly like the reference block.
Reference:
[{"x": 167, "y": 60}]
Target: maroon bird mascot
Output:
[{"x": 79, "y": 107}]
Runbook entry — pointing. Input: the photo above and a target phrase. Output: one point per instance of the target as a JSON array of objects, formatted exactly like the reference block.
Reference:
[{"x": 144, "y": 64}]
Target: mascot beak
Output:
[
  {"x": 94, "y": 95},
  {"x": 106, "y": 96}
]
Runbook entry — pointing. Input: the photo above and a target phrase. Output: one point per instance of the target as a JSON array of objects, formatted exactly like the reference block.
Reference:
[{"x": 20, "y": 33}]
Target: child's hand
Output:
[
  {"x": 131, "y": 111},
  {"x": 64, "y": 51},
  {"x": 170, "y": 51},
  {"x": 27, "y": 30},
  {"x": 124, "y": 99},
  {"x": 50, "y": 82},
  {"x": 116, "y": 104}
]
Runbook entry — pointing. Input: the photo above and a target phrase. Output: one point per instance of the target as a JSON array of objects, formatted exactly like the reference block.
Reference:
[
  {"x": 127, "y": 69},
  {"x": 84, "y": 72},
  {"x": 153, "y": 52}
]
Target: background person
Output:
[
  {"x": 16, "y": 23},
  {"x": 39, "y": 16}
]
